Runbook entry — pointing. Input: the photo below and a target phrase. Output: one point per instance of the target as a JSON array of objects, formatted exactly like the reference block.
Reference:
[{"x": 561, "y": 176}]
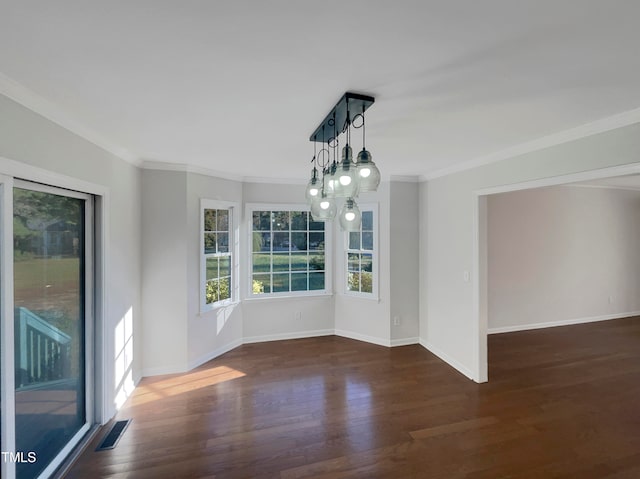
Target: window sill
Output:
[
  {"x": 216, "y": 307},
  {"x": 365, "y": 297},
  {"x": 270, "y": 297}
]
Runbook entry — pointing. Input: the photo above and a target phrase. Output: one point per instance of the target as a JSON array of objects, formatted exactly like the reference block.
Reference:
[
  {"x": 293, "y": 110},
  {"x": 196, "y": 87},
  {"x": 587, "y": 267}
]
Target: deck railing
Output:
[{"x": 42, "y": 350}]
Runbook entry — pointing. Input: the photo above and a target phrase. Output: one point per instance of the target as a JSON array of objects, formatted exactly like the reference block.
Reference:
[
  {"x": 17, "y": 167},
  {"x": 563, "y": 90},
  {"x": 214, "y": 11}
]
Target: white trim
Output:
[
  {"x": 602, "y": 125},
  {"x": 363, "y": 337},
  {"x": 405, "y": 178},
  {"x": 285, "y": 336},
  {"x": 53, "y": 112},
  {"x": 234, "y": 248},
  {"x": 448, "y": 359},
  {"x": 164, "y": 370},
  {"x": 185, "y": 168},
  {"x": 374, "y": 295},
  {"x": 7, "y": 374},
  {"x": 214, "y": 354},
  {"x": 404, "y": 342},
  {"x": 201, "y": 170},
  {"x": 561, "y": 322},
  {"x": 275, "y": 181},
  {"x": 603, "y": 187}
]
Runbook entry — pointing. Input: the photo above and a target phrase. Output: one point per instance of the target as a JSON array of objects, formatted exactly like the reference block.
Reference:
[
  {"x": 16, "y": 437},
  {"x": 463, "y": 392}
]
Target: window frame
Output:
[
  {"x": 250, "y": 208},
  {"x": 375, "y": 257},
  {"x": 234, "y": 223}
]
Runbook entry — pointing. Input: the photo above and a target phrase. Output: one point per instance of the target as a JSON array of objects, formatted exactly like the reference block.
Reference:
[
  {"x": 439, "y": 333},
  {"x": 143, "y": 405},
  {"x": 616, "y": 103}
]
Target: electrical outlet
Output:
[
  {"x": 396, "y": 320},
  {"x": 298, "y": 315}
]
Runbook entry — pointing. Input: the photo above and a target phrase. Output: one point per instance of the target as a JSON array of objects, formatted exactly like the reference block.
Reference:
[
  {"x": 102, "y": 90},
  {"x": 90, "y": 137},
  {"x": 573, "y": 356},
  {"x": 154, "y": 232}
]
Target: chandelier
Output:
[{"x": 334, "y": 181}]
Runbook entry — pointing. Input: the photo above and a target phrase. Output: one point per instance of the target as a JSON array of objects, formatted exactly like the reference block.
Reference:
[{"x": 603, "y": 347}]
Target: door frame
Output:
[
  {"x": 100, "y": 400},
  {"x": 480, "y": 254}
]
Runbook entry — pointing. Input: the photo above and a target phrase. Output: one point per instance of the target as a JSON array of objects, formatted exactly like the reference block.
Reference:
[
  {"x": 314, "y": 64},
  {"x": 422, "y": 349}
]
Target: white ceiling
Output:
[{"x": 238, "y": 86}]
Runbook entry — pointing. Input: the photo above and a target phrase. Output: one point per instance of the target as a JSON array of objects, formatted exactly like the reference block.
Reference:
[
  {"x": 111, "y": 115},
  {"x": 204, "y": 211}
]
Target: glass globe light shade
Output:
[
  {"x": 313, "y": 187},
  {"x": 332, "y": 182},
  {"x": 350, "y": 216},
  {"x": 347, "y": 174},
  {"x": 323, "y": 208},
  {"x": 368, "y": 172}
]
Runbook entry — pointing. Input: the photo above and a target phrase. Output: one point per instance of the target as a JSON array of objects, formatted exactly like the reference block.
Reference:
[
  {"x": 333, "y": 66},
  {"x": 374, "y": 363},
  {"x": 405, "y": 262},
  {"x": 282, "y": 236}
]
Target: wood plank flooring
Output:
[{"x": 561, "y": 403}]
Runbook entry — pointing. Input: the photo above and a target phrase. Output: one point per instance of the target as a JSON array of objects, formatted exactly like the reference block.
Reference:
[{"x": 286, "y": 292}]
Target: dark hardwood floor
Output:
[{"x": 561, "y": 403}]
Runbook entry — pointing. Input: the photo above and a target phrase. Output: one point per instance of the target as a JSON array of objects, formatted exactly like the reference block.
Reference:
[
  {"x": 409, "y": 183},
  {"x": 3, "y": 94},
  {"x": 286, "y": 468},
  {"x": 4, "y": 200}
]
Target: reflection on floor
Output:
[{"x": 561, "y": 402}]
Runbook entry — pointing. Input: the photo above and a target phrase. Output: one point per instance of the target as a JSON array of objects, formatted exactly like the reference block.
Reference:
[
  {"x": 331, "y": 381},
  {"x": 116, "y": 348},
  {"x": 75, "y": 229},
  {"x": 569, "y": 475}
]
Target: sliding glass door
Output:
[{"x": 52, "y": 326}]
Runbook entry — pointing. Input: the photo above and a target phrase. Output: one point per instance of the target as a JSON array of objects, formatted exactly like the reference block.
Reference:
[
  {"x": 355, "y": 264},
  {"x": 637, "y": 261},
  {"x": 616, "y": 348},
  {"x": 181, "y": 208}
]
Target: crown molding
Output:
[
  {"x": 49, "y": 110},
  {"x": 185, "y": 168},
  {"x": 619, "y": 120},
  {"x": 603, "y": 187}
]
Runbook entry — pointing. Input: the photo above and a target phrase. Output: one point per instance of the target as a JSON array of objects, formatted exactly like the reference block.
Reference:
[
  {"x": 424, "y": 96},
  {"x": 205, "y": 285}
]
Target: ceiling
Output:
[{"x": 238, "y": 86}]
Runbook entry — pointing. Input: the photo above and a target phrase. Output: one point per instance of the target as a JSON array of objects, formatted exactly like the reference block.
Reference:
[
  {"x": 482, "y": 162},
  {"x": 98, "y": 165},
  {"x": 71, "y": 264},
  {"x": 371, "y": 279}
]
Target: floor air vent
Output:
[{"x": 112, "y": 438}]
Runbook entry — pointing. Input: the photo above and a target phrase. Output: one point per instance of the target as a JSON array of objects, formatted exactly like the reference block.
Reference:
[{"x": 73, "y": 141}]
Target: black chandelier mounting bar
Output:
[{"x": 350, "y": 102}]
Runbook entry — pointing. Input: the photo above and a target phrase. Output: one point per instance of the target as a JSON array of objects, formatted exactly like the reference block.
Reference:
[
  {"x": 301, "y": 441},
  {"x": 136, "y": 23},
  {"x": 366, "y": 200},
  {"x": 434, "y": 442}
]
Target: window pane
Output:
[
  {"x": 223, "y": 242},
  {"x": 261, "y": 262},
  {"x": 225, "y": 266},
  {"x": 316, "y": 281},
  {"x": 366, "y": 262},
  {"x": 49, "y": 296},
  {"x": 280, "y": 220},
  {"x": 316, "y": 241},
  {"x": 299, "y": 262},
  {"x": 225, "y": 290},
  {"x": 366, "y": 282},
  {"x": 261, "y": 283},
  {"x": 262, "y": 220},
  {"x": 281, "y": 241},
  {"x": 353, "y": 281},
  {"x": 299, "y": 241},
  {"x": 280, "y": 261},
  {"x": 212, "y": 268},
  {"x": 280, "y": 282},
  {"x": 367, "y": 221},
  {"x": 299, "y": 282},
  {"x": 316, "y": 262},
  {"x": 316, "y": 225},
  {"x": 209, "y": 220},
  {"x": 353, "y": 262},
  {"x": 211, "y": 291},
  {"x": 299, "y": 220},
  {"x": 261, "y": 241},
  {"x": 354, "y": 240},
  {"x": 209, "y": 243},
  {"x": 223, "y": 220},
  {"x": 367, "y": 241}
]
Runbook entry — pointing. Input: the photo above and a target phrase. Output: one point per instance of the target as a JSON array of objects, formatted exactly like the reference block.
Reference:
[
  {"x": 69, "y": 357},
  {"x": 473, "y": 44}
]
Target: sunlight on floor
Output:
[{"x": 152, "y": 389}]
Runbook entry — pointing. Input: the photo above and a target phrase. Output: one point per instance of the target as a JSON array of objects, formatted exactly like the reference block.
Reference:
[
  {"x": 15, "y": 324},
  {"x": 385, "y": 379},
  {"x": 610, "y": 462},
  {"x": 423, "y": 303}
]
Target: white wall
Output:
[
  {"x": 404, "y": 260},
  {"x": 213, "y": 332},
  {"x": 34, "y": 141},
  {"x": 452, "y": 329},
  {"x": 562, "y": 254},
  {"x": 164, "y": 271}
]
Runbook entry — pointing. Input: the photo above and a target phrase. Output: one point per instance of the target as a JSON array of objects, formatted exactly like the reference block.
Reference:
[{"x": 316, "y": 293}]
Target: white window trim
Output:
[
  {"x": 374, "y": 295},
  {"x": 234, "y": 238},
  {"x": 328, "y": 253}
]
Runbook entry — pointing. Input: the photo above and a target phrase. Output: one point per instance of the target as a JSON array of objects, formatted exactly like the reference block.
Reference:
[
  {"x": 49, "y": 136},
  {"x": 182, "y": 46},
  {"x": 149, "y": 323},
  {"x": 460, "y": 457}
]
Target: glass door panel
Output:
[{"x": 49, "y": 324}]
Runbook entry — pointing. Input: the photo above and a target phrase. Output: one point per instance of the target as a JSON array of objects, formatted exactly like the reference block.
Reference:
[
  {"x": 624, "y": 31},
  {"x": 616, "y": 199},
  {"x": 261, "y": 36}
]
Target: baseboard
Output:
[
  {"x": 448, "y": 359},
  {"x": 404, "y": 342},
  {"x": 285, "y": 336},
  {"x": 161, "y": 371},
  {"x": 215, "y": 353},
  {"x": 563, "y": 322},
  {"x": 363, "y": 337}
]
